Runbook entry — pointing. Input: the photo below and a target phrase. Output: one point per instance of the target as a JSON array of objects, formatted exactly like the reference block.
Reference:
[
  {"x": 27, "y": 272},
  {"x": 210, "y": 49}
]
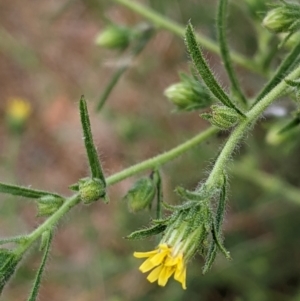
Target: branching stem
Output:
[{"x": 243, "y": 127}]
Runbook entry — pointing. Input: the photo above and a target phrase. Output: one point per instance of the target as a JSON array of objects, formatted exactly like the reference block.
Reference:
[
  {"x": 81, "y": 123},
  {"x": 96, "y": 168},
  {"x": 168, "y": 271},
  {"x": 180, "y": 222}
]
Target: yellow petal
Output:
[
  {"x": 144, "y": 254},
  {"x": 170, "y": 261},
  {"x": 180, "y": 276},
  {"x": 147, "y": 265},
  {"x": 164, "y": 247},
  {"x": 159, "y": 257},
  {"x": 165, "y": 274},
  {"x": 153, "y": 276}
]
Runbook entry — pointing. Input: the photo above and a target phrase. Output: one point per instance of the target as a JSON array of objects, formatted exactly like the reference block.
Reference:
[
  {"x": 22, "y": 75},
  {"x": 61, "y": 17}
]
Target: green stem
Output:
[
  {"x": 162, "y": 158},
  {"x": 242, "y": 128},
  {"x": 148, "y": 164},
  {"x": 49, "y": 223},
  {"x": 179, "y": 30}
]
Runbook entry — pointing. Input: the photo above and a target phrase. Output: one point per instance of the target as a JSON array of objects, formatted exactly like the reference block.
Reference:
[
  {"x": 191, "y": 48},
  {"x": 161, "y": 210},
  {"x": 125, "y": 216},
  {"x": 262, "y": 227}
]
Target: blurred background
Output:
[{"x": 48, "y": 57}]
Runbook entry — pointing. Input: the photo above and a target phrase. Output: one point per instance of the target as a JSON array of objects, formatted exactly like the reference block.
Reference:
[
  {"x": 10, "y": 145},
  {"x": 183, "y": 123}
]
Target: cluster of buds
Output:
[
  {"x": 283, "y": 18},
  {"x": 192, "y": 227},
  {"x": 222, "y": 117},
  {"x": 189, "y": 94}
]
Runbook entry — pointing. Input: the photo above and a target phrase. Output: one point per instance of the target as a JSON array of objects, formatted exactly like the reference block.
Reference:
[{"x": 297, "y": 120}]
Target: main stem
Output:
[
  {"x": 147, "y": 164},
  {"x": 162, "y": 158},
  {"x": 242, "y": 128},
  {"x": 49, "y": 223},
  {"x": 179, "y": 30}
]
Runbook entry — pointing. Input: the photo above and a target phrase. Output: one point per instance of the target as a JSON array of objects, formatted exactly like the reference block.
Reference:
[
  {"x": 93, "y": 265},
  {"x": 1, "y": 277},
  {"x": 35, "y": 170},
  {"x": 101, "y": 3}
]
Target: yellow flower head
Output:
[
  {"x": 164, "y": 262},
  {"x": 191, "y": 228},
  {"x": 18, "y": 109}
]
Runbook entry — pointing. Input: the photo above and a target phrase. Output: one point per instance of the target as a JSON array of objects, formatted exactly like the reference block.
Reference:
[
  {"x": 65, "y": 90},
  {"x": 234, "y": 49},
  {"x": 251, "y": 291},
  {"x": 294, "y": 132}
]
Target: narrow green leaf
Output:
[
  {"x": 218, "y": 242},
  {"x": 221, "y": 27},
  {"x": 140, "y": 234},
  {"x": 94, "y": 162},
  {"x": 159, "y": 193},
  {"x": 293, "y": 83},
  {"x": 8, "y": 264},
  {"x": 15, "y": 239},
  {"x": 184, "y": 206},
  {"x": 290, "y": 60},
  {"x": 290, "y": 125},
  {"x": 210, "y": 257},
  {"x": 221, "y": 205},
  {"x": 24, "y": 191},
  {"x": 37, "y": 282},
  {"x": 191, "y": 195},
  {"x": 204, "y": 70}
]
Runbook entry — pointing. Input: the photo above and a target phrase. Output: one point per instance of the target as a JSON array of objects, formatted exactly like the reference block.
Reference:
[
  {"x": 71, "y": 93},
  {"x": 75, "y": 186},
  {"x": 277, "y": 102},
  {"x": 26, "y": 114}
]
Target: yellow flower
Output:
[
  {"x": 18, "y": 109},
  {"x": 164, "y": 262}
]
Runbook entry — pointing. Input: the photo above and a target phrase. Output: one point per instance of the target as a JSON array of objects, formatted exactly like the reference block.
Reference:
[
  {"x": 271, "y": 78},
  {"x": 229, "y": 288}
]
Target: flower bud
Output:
[
  {"x": 189, "y": 94},
  {"x": 17, "y": 113},
  {"x": 48, "y": 204},
  {"x": 114, "y": 37},
  {"x": 91, "y": 190},
  {"x": 141, "y": 195},
  {"x": 283, "y": 18},
  {"x": 222, "y": 117}
]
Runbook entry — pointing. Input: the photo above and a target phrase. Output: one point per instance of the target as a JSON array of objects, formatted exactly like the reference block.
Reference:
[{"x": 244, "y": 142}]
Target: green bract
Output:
[
  {"x": 91, "y": 190},
  {"x": 141, "y": 195},
  {"x": 222, "y": 117},
  {"x": 47, "y": 205}
]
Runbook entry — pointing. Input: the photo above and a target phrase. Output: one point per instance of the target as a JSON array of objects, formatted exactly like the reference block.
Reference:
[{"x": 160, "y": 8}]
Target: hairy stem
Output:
[
  {"x": 162, "y": 158},
  {"x": 242, "y": 128},
  {"x": 49, "y": 223},
  {"x": 147, "y": 164}
]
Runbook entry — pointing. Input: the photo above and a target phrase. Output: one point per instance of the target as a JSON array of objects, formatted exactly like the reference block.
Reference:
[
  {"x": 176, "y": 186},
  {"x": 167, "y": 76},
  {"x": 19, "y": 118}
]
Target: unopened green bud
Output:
[
  {"x": 290, "y": 41},
  {"x": 8, "y": 264},
  {"x": 222, "y": 117},
  {"x": 283, "y": 18},
  {"x": 48, "y": 204},
  {"x": 114, "y": 37},
  {"x": 189, "y": 94},
  {"x": 91, "y": 190},
  {"x": 141, "y": 195}
]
